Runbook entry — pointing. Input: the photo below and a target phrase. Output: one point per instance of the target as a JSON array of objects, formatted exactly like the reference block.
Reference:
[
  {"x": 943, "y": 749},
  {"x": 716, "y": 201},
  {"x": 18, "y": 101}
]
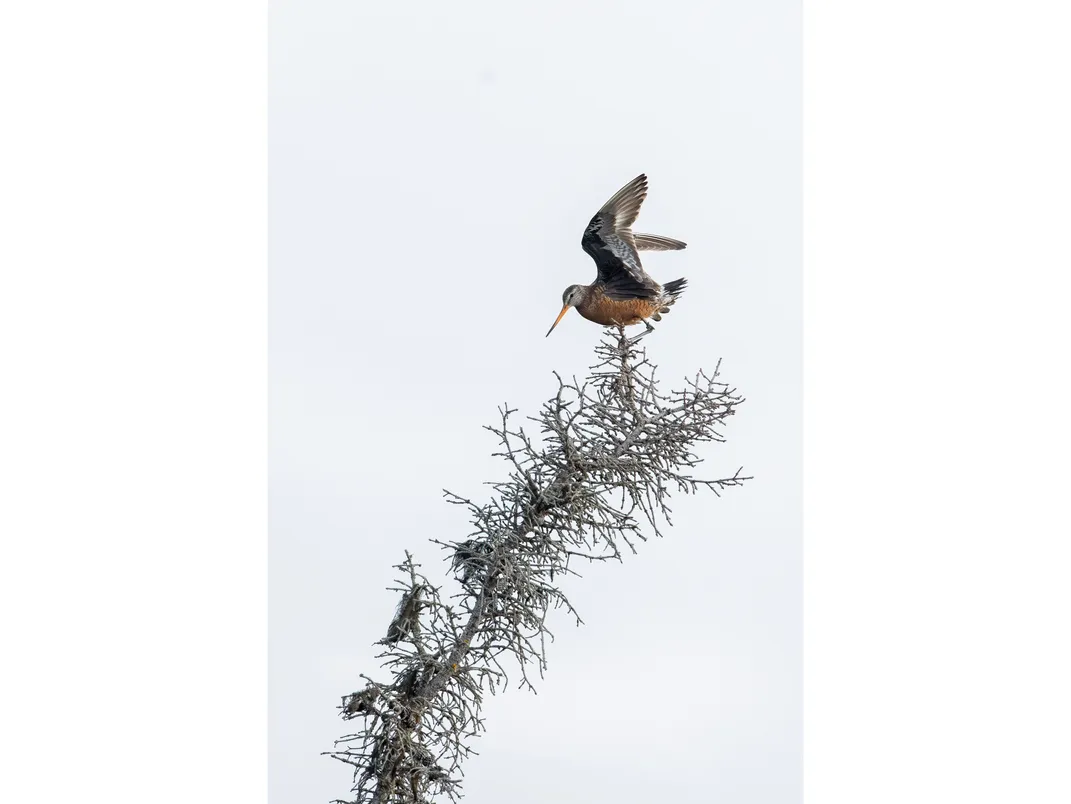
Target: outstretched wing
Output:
[
  {"x": 649, "y": 242},
  {"x": 609, "y": 241}
]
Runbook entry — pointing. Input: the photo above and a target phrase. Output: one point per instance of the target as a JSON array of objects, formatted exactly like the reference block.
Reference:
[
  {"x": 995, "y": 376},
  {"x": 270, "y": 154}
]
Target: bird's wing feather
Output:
[
  {"x": 650, "y": 242},
  {"x": 609, "y": 241}
]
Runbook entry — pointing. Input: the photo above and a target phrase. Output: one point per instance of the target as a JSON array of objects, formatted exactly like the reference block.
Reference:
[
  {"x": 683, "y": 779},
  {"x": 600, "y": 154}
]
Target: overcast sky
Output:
[{"x": 432, "y": 169}]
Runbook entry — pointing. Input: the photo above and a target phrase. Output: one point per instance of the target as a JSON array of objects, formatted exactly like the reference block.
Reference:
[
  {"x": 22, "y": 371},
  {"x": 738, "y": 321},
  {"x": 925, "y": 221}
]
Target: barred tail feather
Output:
[{"x": 671, "y": 291}]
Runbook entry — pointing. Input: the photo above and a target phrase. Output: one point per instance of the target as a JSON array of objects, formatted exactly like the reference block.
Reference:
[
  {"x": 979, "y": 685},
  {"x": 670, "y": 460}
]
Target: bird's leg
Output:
[{"x": 647, "y": 331}]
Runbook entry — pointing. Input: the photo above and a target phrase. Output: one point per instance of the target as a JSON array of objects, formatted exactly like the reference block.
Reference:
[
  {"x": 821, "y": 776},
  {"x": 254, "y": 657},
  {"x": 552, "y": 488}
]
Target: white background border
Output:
[
  {"x": 937, "y": 655},
  {"x": 132, "y": 410}
]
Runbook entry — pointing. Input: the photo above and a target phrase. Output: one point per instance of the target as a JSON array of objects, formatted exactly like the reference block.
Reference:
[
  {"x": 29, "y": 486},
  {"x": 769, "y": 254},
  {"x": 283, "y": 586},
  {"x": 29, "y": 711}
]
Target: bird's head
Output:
[{"x": 570, "y": 298}]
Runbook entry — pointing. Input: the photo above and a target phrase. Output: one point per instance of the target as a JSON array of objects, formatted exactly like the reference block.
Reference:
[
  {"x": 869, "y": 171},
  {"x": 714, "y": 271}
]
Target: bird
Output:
[{"x": 622, "y": 293}]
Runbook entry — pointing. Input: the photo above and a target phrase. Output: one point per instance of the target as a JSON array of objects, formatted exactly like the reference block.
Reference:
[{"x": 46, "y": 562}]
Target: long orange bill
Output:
[{"x": 565, "y": 310}]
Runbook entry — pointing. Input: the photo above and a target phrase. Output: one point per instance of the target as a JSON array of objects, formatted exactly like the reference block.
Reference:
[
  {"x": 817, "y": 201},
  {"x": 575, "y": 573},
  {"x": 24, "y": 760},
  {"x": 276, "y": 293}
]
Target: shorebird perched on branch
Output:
[{"x": 622, "y": 293}]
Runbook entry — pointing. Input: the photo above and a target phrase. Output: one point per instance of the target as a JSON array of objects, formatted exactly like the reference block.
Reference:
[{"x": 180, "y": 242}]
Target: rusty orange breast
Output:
[{"x": 609, "y": 312}]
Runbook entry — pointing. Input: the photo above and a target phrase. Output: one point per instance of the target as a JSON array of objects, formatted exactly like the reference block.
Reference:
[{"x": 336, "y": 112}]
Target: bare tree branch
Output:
[{"x": 610, "y": 452}]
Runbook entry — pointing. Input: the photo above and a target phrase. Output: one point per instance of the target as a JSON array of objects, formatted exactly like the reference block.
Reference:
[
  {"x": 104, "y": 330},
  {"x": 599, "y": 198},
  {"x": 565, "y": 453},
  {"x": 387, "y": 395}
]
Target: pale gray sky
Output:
[{"x": 432, "y": 169}]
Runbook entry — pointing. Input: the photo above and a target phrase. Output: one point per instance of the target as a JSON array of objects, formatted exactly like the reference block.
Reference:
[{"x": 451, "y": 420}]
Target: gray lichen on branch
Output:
[{"x": 612, "y": 449}]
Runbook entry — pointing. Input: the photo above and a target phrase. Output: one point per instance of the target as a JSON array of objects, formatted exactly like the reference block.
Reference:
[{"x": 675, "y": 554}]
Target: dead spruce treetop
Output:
[{"x": 597, "y": 480}]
